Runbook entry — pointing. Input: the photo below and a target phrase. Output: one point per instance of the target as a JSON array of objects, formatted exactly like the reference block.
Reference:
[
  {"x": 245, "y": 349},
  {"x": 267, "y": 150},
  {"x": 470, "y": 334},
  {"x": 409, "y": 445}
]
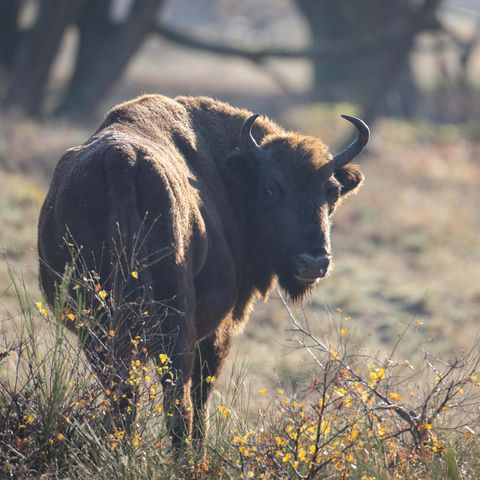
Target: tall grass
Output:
[{"x": 358, "y": 416}]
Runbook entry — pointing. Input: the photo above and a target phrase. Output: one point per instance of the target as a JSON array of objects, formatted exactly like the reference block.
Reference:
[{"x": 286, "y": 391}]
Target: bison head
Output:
[{"x": 292, "y": 185}]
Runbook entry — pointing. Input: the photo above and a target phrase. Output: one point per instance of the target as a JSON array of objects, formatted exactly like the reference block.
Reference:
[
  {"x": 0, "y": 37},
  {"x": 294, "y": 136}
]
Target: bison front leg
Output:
[{"x": 209, "y": 359}]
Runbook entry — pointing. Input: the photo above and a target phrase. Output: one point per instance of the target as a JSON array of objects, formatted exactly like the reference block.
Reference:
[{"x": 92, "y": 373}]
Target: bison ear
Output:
[
  {"x": 239, "y": 170},
  {"x": 350, "y": 178}
]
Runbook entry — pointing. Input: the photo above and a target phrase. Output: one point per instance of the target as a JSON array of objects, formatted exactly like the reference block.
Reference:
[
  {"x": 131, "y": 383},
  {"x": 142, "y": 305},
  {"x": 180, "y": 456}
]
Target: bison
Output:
[{"x": 187, "y": 210}]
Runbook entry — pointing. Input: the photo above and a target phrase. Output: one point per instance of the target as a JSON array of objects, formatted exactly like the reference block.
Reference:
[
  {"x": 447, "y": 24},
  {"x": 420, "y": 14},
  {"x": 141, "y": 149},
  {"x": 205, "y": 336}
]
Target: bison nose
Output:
[{"x": 312, "y": 266}]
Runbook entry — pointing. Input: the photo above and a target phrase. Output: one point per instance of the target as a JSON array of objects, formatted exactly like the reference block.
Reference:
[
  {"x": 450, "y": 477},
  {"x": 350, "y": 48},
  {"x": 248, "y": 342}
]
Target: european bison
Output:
[{"x": 192, "y": 209}]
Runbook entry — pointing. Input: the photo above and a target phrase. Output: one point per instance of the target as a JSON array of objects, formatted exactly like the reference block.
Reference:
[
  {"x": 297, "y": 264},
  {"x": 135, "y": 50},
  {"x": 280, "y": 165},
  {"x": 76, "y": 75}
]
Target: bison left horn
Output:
[
  {"x": 354, "y": 149},
  {"x": 247, "y": 143}
]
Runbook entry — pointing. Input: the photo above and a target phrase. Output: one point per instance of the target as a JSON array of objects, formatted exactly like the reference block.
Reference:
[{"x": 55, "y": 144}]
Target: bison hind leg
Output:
[
  {"x": 173, "y": 355},
  {"x": 210, "y": 357}
]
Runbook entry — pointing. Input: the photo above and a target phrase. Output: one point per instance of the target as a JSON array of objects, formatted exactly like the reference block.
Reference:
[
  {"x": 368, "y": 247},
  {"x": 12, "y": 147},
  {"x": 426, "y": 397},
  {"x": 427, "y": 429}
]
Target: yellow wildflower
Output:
[
  {"x": 437, "y": 445},
  {"x": 102, "y": 294},
  {"x": 335, "y": 355},
  {"x": 164, "y": 358},
  {"x": 244, "y": 450},
  {"x": 395, "y": 396},
  {"x": 381, "y": 430},
  {"x": 424, "y": 427},
  {"x": 224, "y": 411},
  {"x": 286, "y": 457},
  {"x": 136, "y": 440},
  {"x": 134, "y": 274},
  {"x": 28, "y": 419},
  {"x": 210, "y": 379},
  {"x": 262, "y": 391},
  {"x": 41, "y": 308},
  {"x": 341, "y": 392},
  {"x": 353, "y": 434},
  {"x": 60, "y": 437},
  {"x": 302, "y": 454},
  {"x": 377, "y": 374},
  {"x": 325, "y": 427}
]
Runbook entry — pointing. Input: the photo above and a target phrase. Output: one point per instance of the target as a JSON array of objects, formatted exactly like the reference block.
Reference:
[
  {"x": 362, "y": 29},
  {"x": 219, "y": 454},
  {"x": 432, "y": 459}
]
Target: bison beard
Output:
[
  {"x": 296, "y": 290},
  {"x": 180, "y": 191}
]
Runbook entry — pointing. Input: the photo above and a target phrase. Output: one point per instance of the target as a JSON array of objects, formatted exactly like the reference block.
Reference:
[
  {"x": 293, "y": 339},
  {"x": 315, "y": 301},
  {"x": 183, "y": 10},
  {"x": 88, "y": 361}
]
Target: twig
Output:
[{"x": 410, "y": 417}]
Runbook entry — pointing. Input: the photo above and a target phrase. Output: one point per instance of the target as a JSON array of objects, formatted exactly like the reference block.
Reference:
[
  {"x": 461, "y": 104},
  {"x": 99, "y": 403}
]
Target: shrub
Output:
[{"x": 359, "y": 416}]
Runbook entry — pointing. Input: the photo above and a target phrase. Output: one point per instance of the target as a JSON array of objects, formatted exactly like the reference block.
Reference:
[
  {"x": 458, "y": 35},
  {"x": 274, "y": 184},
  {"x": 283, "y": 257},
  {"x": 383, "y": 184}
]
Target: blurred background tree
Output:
[
  {"x": 360, "y": 51},
  {"x": 374, "y": 40}
]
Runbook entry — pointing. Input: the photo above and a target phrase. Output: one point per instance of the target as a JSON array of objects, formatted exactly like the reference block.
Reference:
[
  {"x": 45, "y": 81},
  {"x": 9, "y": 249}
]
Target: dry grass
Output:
[{"x": 354, "y": 416}]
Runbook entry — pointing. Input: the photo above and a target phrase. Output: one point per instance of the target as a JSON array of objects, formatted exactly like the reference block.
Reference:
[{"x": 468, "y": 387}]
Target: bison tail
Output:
[{"x": 130, "y": 279}]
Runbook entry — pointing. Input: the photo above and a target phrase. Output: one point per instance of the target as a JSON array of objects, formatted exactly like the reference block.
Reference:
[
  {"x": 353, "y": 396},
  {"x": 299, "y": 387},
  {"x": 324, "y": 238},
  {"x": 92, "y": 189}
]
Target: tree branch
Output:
[{"x": 257, "y": 54}]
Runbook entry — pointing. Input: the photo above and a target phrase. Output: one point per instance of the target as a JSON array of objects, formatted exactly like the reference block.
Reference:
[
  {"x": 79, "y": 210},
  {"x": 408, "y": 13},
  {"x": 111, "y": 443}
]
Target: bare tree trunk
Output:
[
  {"x": 104, "y": 52},
  {"x": 36, "y": 54},
  {"x": 398, "y": 57},
  {"x": 384, "y": 24},
  {"x": 419, "y": 20},
  {"x": 9, "y": 31}
]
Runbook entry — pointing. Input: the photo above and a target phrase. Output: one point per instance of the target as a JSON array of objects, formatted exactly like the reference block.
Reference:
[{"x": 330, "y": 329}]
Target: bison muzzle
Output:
[{"x": 208, "y": 205}]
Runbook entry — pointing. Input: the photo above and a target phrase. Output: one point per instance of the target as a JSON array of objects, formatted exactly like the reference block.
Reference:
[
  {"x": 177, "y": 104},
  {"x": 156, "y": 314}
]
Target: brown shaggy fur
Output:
[{"x": 218, "y": 229}]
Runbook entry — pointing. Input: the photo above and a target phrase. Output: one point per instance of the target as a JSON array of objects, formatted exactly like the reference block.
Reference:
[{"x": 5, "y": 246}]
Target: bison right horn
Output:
[
  {"x": 354, "y": 149},
  {"x": 248, "y": 144}
]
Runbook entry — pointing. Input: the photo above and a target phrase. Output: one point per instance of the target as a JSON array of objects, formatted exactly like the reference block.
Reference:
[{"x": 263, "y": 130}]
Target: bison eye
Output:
[{"x": 271, "y": 191}]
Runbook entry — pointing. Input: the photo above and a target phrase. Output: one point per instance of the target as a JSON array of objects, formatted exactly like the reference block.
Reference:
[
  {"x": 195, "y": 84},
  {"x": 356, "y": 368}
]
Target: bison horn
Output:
[
  {"x": 354, "y": 149},
  {"x": 247, "y": 143}
]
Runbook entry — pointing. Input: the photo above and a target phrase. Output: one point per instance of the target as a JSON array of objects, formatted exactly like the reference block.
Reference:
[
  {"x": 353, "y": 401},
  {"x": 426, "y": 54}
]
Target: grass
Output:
[
  {"x": 20, "y": 201},
  {"x": 353, "y": 416}
]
